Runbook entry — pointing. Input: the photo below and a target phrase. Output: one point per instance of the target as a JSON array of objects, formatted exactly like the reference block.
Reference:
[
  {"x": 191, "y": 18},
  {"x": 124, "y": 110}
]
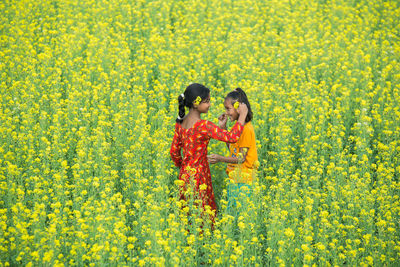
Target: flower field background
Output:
[{"x": 88, "y": 105}]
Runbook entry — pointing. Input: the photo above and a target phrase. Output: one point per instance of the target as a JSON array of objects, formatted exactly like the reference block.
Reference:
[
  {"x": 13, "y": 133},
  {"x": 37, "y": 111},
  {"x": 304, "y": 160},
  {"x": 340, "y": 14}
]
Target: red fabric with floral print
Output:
[{"x": 193, "y": 160}]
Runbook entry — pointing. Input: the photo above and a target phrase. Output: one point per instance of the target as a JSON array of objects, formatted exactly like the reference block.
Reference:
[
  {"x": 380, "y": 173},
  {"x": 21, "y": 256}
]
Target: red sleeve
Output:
[
  {"x": 215, "y": 132},
  {"x": 176, "y": 146}
]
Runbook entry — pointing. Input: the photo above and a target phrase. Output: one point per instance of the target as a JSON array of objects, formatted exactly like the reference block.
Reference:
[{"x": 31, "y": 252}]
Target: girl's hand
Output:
[
  {"x": 242, "y": 109},
  {"x": 213, "y": 158},
  {"x": 222, "y": 121}
]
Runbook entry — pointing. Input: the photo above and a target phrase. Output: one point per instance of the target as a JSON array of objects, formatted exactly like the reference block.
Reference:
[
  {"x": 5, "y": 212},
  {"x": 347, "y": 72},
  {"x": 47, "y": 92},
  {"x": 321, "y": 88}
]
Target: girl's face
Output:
[
  {"x": 230, "y": 110},
  {"x": 204, "y": 105}
]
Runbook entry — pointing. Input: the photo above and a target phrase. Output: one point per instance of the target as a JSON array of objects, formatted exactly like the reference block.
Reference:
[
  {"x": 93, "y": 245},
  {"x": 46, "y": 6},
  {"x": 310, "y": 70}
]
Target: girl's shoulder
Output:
[
  {"x": 198, "y": 124},
  {"x": 248, "y": 126},
  {"x": 248, "y": 129},
  {"x": 203, "y": 124}
]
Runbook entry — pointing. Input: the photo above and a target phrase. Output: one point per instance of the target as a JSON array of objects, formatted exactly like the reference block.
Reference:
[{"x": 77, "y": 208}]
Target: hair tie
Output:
[
  {"x": 182, "y": 95},
  {"x": 179, "y": 118}
]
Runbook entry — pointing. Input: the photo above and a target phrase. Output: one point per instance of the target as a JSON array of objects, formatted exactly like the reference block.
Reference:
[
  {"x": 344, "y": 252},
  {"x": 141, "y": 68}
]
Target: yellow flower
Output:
[
  {"x": 197, "y": 101},
  {"x": 191, "y": 239},
  {"x": 190, "y": 170},
  {"x": 233, "y": 257},
  {"x": 305, "y": 247},
  {"x": 320, "y": 246},
  {"x": 241, "y": 225},
  {"x": 308, "y": 258},
  {"x": 256, "y": 164},
  {"x": 370, "y": 260},
  {"x": 236, "y": 105},
  {"x": 289, "y": 233},
  {"x": 179, "y": 182},
  {"x": 203, "y": 187}
]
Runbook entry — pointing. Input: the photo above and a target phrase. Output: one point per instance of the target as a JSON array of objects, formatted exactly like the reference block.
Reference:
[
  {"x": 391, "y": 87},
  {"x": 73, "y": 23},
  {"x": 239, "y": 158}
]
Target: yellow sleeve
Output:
[{"x": 245, "y": 139}]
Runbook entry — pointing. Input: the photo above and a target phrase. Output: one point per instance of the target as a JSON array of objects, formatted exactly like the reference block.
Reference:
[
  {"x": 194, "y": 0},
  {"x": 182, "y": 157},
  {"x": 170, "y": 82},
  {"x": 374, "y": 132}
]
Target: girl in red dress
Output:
[{"x": 192, "y": 135}]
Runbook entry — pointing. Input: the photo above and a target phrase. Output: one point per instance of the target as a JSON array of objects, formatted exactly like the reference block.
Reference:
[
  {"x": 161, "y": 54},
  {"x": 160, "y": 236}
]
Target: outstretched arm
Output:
[
  {"x": 222, "y": 120},
  {"x": 216, "y": 132}
]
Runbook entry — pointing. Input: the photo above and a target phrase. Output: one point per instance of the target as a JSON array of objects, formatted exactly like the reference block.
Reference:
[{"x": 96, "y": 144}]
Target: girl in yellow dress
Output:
[{"x": 242, "y": 160}]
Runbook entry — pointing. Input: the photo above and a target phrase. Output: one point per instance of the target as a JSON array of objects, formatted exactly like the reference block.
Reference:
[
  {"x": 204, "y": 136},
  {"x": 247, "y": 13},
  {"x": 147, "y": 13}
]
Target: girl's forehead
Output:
[{"x": 228, "y": 102}]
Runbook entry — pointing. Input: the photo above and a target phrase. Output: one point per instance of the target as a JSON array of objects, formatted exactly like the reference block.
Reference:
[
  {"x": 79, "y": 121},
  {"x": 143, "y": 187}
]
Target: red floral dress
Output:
[{"x": 193, "y": 160}]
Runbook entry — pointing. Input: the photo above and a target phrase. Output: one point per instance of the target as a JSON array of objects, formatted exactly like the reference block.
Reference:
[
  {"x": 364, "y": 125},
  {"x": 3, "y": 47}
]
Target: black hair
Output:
[
  {"x": 239, "y": 95},
  {"x": 189, "y": 96}
]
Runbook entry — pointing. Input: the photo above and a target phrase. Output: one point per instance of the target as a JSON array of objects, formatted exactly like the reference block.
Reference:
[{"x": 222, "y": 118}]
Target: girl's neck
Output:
[
  {"x": 192, "y": 117},
  {"x": 194, "y": 114}
]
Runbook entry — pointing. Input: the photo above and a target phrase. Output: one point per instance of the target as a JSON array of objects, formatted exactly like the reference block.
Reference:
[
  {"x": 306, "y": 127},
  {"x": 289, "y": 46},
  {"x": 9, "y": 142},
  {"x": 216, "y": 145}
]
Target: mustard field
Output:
[{"x": 88, "y": 96}]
